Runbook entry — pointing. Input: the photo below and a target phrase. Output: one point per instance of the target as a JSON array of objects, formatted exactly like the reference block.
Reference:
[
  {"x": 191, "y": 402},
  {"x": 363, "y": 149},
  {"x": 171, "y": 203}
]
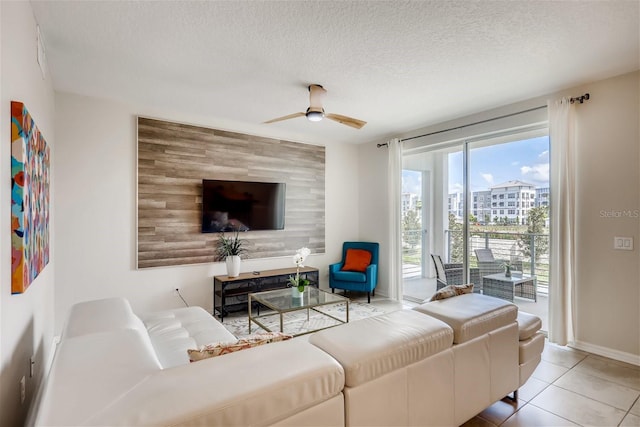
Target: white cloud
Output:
[
  {"x": 544, "y": 156},
  {"x": 538, "y": 173},
  {"x": 411, "y": 182},
  {"x": 516, "y": 163},
  {"x": 487, "y": 177},
  {"x": 455, "y": 188}
]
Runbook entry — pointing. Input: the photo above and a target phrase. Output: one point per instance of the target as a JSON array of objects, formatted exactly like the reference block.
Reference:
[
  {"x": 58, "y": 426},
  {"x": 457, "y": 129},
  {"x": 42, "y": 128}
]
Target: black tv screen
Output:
[{"x": 242, "y": 206}]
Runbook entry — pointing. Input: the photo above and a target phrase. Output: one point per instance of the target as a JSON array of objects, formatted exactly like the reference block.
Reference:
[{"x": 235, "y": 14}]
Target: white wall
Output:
[
  {"x": 608, "y": 282},
  {"x": 26, "y": 320},
  {"x": 95, "y": 176},
  {"x": 373, "y": 219}
]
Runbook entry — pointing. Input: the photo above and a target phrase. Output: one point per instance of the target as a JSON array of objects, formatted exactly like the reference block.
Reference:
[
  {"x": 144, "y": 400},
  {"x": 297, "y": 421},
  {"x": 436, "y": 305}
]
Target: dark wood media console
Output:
[{"x": 231, "y": 293}]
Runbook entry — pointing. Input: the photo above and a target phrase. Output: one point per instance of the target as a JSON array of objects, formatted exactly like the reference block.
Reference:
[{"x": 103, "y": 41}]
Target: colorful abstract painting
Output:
[{"x": 29, "y": 199}]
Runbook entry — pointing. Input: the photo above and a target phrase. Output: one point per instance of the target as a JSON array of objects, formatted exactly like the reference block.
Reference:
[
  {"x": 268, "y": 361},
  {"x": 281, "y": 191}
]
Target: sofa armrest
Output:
[
  {"x": 91, "y": 370},
  {"x": 99, "y": 316},
  {"x": 372, "y": 272},
  {"x": 335, "y": 267}
]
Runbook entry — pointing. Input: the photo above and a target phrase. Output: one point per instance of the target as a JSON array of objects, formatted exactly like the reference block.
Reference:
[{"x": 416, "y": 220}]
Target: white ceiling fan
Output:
[{"x": 315, "y": 112}]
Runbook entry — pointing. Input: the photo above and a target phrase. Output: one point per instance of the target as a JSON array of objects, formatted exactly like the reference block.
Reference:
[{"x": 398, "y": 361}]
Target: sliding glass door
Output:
[
  {"x": 508, "y": 217},
  {"x": 430, "y": 177},
  {"x": 483, "y": 196}
]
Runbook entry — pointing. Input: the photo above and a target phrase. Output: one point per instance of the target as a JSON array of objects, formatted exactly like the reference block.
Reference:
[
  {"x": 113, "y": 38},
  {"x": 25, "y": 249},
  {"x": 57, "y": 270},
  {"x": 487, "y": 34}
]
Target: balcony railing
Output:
[
  {"x": 411, "y": 254},
  {"x": 530, "y": 249}
]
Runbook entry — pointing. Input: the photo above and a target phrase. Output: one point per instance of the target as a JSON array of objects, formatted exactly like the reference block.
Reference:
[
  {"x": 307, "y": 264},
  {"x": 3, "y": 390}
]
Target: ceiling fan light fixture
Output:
[
  {"x": 314, "y": 116},
  {"x": 315, "y": 112}
]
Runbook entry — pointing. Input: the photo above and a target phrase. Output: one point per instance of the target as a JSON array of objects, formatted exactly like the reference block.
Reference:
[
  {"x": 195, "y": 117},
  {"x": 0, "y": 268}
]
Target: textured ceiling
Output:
[{"x": 397, "y": 65}]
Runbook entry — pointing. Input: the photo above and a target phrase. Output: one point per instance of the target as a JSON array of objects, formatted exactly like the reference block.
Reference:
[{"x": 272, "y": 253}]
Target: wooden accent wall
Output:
[{"x": 174, "y": 158}]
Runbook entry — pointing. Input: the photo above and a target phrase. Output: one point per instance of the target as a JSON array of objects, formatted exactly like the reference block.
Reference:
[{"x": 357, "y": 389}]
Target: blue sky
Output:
[{"x": 526, "y": 160}]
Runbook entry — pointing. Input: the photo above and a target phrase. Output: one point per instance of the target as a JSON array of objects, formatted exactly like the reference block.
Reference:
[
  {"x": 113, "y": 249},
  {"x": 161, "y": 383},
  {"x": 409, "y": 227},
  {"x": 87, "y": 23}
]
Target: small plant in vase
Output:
[
  {"x": 296, "y": 282},
  {"x": 229, "y": 250},
  {"x": 507, "y": 269}
]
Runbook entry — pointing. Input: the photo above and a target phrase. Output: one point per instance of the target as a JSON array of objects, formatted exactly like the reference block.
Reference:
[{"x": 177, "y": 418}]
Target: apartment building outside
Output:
[
  {"x": 509, "y": 201},
  {"x": 481, "y": 206},
  {"x": 455, "y": 205},
  {"x": 542, "y": 197},
  {"x": 410, "y": 201},
  {"x": 512, "y": 200}
]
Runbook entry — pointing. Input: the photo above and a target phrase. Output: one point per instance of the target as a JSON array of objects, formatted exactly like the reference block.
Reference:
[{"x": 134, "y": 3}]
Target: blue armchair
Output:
[{"x": 355, "y": 280}]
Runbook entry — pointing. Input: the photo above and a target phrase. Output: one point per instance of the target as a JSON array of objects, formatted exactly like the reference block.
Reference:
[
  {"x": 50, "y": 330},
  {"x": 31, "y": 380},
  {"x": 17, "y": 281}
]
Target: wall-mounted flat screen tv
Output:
[{"x": 242, "y": 206}]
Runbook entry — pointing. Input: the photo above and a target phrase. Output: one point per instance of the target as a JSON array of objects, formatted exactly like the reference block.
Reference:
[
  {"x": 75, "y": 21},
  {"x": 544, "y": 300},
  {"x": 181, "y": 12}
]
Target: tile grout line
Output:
[
  {"x": 600, "y": 379},
  {"x": 606, "y": 360},
  {"x": 589, "y": 376},
  {"x": 629, "y": 411},
  {"x": 514, "y": 412},
  {"x": 571, "y": 391},
  {"x": 559, "y": 416},
  {"x": 586, "y": 397},
  {"x": 560, "y": 366}
]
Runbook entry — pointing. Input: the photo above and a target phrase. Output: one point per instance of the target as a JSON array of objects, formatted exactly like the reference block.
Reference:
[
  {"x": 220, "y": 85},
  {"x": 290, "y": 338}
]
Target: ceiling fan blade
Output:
[
  {"x": 290, "y": 116},
  {"x": 316, "y": 93},
  {"x": 349, "y": 121}
]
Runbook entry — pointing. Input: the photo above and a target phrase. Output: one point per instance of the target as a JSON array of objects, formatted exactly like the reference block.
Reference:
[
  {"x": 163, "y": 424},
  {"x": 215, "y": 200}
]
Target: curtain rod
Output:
[{"x": 579, "y": 99}]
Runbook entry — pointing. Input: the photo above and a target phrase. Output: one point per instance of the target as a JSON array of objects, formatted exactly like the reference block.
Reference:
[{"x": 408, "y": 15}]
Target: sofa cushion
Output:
[
  {"x": 372, "y": 347},
  {"x": 528, "y": 325},
  {"x": 350, "y": 276},
  {"x": 173, "y": 332},
  {"x": 357, "y": 260},
  {"x": 247, "y": 388},
  {"x": 471, "y": 315},
  {"x": 219, "y": 349}
]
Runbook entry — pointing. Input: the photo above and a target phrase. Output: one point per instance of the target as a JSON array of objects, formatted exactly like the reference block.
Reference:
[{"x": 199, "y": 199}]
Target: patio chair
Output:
[
  {"x": 447, "y": 274},
  {"x": 476, "y": 279},
  {"x": 487, "y": 264},
  {"x": 486, "y": 256}
]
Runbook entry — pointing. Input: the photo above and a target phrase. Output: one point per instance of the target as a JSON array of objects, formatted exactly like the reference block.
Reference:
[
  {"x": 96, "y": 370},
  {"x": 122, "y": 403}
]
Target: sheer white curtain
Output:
[
  {"x": 394, "y": 181},
  {"x": 563, "y": 200}
]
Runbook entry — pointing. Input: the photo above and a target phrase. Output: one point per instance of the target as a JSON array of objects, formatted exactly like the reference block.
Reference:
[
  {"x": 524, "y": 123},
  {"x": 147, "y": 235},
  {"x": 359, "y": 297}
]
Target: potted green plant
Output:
[
  {"x": 507, "y": 266},
  {"x": 229, "y": 249}
]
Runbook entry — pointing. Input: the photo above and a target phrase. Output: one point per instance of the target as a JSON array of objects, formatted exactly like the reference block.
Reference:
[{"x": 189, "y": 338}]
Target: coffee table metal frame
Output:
[
  {"x": 282, "y": 301},
  {"x": 518, "y": 285}
]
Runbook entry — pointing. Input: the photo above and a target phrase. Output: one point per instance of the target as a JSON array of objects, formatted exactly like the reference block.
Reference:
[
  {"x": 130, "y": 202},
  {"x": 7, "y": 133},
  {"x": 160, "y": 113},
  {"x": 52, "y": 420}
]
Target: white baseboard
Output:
[{"x": 621, "y": 356}]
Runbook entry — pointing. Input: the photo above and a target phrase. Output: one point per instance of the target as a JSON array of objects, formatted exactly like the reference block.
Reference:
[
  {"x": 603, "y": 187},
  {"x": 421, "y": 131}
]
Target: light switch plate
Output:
[{"x": 623, "y": 243}]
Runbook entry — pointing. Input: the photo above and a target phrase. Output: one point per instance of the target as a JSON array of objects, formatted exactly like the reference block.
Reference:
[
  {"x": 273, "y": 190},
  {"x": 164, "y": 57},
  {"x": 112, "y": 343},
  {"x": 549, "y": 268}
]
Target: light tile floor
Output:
[{"x": 569, "y": 388}]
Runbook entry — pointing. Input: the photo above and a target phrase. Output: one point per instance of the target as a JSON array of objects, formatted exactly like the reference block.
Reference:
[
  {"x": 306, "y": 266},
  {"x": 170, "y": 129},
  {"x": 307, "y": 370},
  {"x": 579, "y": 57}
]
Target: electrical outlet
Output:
[{"x": 23, "y": 390}]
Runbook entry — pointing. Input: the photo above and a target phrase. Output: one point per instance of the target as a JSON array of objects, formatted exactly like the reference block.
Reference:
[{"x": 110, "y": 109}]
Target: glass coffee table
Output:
[{"x": 282, "y": 301}]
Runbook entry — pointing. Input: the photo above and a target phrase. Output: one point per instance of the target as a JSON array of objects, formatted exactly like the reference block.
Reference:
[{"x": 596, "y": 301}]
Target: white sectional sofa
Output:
[{"x": 439, "y": 364}]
